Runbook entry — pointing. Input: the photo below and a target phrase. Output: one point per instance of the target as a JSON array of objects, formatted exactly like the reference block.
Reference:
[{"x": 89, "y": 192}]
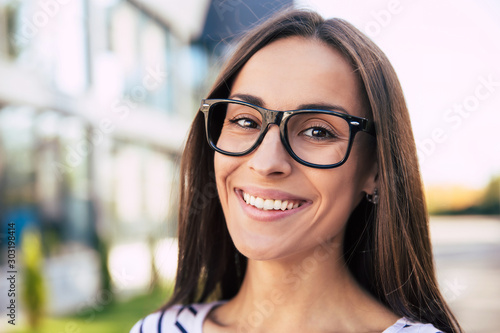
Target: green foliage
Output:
[
  {"x": 116, "y": 317},
  {"x": 32, "y": 286},
  {"x": 103, "y": 250},
  {"x": 488, "y": 205},
  {"x": 491, "y": 200}
]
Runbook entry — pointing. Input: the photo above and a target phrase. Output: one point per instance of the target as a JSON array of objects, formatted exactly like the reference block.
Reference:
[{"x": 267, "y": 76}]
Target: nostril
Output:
[{"x": 267, "y": 162}]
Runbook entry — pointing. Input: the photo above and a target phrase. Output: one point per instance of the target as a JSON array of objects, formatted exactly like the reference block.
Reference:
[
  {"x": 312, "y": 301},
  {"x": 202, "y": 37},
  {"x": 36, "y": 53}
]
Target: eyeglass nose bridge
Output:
[{"x": 269, "y": 117}]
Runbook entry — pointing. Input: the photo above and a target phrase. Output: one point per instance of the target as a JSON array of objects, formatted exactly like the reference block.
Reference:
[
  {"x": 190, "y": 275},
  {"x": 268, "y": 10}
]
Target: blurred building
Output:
[{"x": 96, "y": 97}]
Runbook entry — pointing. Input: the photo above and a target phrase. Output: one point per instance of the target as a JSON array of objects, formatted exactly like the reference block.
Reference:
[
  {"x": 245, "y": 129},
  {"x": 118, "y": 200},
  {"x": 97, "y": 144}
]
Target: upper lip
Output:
[{"x": 269, "y": 193}]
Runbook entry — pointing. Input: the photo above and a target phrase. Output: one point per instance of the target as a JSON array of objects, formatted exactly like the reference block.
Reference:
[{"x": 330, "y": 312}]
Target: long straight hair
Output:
[{"x": 386, "y": 246}]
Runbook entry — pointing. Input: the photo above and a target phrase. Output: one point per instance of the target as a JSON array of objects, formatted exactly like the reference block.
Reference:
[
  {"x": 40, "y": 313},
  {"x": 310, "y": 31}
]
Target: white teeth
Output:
[
  {"x": 269, "y": 204},
  {"x": 277, "y": 204},
  {"x": 259, "y": 203}
]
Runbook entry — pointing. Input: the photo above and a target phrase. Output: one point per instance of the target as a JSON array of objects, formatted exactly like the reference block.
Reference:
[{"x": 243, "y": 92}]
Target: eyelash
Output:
[
  {"x": 236, "y": 120},
  {"x": 328, "y": 131}
]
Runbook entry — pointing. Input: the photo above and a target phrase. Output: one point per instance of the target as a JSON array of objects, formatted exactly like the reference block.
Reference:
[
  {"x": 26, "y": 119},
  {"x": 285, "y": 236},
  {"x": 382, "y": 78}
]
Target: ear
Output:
[{"x": 371, "y": 181}]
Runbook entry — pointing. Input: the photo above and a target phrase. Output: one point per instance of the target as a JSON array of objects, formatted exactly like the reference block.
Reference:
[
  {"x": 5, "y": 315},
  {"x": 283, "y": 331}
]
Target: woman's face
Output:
[{"x": 283, "y": 76}]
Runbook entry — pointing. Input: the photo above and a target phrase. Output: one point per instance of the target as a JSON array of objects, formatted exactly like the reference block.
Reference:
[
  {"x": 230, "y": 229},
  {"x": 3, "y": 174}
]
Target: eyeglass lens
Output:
[{"x": 315, "y": 137}]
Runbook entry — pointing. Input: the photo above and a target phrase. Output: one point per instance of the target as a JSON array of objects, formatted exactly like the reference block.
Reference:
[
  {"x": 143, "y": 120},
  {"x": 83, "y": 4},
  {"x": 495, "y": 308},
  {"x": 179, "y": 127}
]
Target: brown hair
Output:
[{"x": 386, "y": 247}]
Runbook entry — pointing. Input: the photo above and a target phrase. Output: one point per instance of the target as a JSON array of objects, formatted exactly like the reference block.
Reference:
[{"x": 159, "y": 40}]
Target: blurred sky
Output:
[{"x": 445, "y": 53}]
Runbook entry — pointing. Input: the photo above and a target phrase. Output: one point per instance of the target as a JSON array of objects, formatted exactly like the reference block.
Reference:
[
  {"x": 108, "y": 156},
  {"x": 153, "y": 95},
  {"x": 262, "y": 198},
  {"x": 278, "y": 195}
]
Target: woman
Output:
[{"x": 318, "y": 221}]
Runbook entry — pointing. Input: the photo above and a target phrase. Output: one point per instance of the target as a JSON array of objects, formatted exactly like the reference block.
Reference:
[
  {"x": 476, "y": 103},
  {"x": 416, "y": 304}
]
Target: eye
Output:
[
  {"x": 245, "y": 123},
  {"x": 318, "y": 133}
]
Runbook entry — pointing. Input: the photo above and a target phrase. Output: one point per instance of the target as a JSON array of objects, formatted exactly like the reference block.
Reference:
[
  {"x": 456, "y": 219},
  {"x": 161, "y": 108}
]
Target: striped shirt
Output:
[{"x": 189, "y": 319}]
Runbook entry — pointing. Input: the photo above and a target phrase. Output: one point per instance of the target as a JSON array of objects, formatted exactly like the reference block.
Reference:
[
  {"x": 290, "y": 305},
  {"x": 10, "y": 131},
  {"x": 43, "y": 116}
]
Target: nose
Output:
[{"x": 270, "y": 158}]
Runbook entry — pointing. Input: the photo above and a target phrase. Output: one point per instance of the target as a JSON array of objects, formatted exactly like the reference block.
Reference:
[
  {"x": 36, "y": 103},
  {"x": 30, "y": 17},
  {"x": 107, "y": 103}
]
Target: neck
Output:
[
  {"x": 312, "y": 291},
  {"x": 301, "y": 277}
]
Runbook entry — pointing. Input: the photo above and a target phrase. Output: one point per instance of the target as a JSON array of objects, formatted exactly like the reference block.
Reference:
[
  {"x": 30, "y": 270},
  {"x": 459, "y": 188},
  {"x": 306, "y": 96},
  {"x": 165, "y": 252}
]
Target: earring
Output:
[{"x": 373, "y": 198}]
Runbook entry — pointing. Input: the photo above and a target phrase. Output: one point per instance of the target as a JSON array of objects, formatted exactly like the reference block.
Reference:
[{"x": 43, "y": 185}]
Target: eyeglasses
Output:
[{"x": 316, "y": 138}]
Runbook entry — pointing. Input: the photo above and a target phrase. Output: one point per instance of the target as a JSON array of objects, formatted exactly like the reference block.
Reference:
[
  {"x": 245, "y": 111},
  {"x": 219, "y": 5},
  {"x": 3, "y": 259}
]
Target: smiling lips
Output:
[{"x": 271, "y": 204}]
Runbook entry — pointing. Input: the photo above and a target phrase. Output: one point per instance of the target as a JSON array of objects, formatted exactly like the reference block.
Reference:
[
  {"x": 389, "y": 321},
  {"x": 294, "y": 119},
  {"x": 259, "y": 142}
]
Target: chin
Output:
[{"x": 259, "y": 248}]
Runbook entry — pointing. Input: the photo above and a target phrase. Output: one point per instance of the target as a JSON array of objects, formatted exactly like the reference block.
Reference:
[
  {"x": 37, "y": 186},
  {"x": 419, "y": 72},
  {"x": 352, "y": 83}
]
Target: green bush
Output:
[
  {"x": 33, "y": 288},
  {"x": 489, "y": 204},
  {"x": 491, "y": 200}
]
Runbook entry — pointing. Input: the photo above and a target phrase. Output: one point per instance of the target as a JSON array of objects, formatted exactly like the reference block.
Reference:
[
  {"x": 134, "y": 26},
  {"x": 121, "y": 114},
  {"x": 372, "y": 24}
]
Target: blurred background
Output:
[{"x": 96, "y": 97}]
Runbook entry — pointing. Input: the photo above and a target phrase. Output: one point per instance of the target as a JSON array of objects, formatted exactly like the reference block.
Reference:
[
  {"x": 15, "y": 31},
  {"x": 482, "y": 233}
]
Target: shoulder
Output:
[
  {"x": 405, "y": 325},
  {"x": 178, "y": 318}
]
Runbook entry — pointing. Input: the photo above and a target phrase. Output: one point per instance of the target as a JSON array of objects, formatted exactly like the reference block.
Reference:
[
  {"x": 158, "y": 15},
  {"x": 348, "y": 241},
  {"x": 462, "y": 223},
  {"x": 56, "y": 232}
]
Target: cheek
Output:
[
  {"x": 220, "y": 176},
  {"x": 224, "y": 166},
  {"x": 364, "y": 151},
  {"x": 341, "y": 191},
  {"x": 362, "y": 161}
]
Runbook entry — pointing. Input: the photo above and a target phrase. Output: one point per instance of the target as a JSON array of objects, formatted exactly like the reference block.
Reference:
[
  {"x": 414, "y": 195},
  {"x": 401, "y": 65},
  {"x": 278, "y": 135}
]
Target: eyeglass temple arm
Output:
[{"x": 368, "y": 126}]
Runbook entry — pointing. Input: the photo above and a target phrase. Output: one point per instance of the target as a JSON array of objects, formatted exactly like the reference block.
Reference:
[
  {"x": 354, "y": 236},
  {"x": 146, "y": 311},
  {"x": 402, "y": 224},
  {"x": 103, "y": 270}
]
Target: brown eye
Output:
[
  {"x": 318, "y": 133},
  {"x": 245, "y": 123}
]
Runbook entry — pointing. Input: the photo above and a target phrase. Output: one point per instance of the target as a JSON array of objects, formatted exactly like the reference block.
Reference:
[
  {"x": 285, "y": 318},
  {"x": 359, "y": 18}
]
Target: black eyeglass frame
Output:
[{"x": 281, "y": 118}]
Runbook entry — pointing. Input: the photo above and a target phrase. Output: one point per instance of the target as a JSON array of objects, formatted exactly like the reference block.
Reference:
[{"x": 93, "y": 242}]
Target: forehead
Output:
[{"x": 297, "y": 70}]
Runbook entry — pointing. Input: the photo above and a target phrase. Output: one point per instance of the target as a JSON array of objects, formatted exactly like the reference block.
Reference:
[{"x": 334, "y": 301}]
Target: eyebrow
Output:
[
  {"x": 249, "y": 99},
  {"x": 308, "y": 106}
]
